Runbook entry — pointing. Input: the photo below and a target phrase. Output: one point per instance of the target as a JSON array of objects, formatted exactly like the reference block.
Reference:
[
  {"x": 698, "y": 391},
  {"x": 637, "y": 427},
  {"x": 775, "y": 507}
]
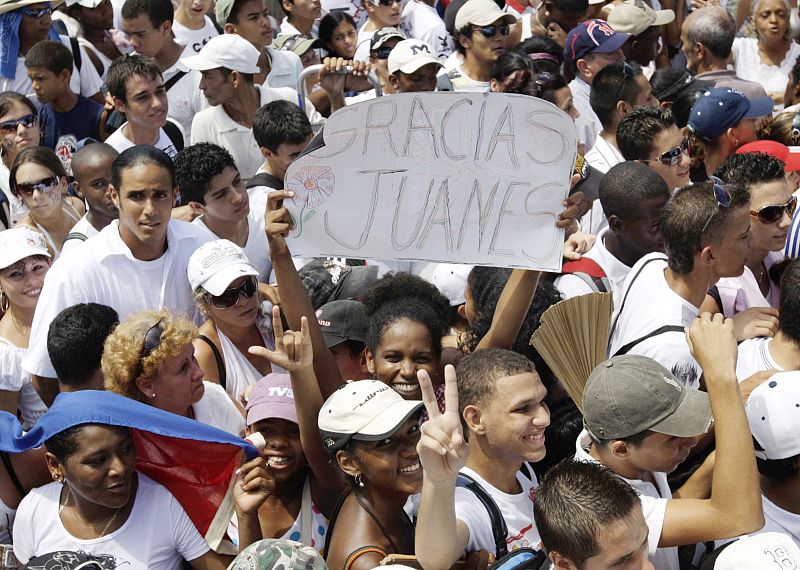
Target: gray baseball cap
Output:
[{"x": 629, "y": 394}]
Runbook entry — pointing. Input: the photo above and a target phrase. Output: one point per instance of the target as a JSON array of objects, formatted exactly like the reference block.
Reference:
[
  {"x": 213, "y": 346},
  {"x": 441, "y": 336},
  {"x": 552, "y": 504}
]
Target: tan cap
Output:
[
  {"x": 10, "y": 6},
  {"x": 634, "y": 17},
  {"x": 481, "y": 13}
]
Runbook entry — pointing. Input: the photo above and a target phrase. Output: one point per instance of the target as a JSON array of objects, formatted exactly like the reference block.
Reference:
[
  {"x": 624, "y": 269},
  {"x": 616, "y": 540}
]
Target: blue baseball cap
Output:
[
  {"x": 719, "y": 109},
  {"x": 593, "y": 36}
]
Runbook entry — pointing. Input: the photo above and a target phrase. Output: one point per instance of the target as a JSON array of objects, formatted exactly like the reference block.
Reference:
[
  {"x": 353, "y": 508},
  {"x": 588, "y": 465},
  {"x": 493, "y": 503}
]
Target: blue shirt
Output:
[{"x": 62, "y": 131}]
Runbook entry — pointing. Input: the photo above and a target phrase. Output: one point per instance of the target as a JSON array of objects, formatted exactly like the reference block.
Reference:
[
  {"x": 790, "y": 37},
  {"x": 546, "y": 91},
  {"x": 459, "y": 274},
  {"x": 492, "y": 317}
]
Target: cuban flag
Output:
[{"x": 195, "y": 461}]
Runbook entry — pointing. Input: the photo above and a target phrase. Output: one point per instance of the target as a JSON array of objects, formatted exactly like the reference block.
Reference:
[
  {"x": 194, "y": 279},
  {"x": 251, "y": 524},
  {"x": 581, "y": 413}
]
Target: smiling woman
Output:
[{"x": 150, "y": 358}]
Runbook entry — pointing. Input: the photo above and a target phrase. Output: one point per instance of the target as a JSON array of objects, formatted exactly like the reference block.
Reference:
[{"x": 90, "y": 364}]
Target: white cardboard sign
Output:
[{"x": 473, "y": 178}]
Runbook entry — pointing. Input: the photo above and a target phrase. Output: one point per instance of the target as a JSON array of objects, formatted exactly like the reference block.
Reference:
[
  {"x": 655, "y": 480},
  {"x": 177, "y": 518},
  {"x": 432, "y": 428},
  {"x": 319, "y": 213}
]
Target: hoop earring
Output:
[
  {"x": 359, "y": 481},
  {"x": 4, "y": 302}
]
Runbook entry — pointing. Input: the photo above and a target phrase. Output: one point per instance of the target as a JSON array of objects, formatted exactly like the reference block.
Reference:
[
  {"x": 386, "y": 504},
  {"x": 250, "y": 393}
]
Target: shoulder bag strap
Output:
[
  {"x": 661, "y": 330},
  {"x": 627, "y": 291},
  {"x": 218, "y": 358}
]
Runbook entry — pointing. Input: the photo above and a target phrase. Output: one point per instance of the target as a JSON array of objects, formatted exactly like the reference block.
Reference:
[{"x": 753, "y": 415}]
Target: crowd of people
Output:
[{"x": 395, "y": 413}]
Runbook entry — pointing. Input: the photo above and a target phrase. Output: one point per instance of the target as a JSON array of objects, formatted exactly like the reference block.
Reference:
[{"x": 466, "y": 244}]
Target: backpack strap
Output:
[
  {"x": 590, "y": 272},
  {"x": 661, "y": 330},
  {"x": 169, "y": 83},
  {"x": 75, "y": 235},
  {"x": 499, "y": 528},
  {"x": 265, "y": 179},
  {"x": 218, "y": 358},
  {"x": 76, "y": 52},
  {"x": 627, "y": 292},
  {"x": 174, "y": 135}
]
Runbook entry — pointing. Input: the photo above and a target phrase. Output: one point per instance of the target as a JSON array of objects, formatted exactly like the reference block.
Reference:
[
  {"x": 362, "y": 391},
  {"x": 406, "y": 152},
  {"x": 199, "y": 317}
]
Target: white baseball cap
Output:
[
  {"x": 364, "y": 410},
  {"x": 217, "y": 264},
  {"x": 763, "y": 551},
  {"x": 481, "y": 13},
  {"x": 451, "y": 280},
  {"x": 773, "y": 411},
  {"x": 230, "y": 51},
  {"x": 409, "y": 55},
  {"x": 634, "y": 17},
  {"x": 19, "y": 243}
]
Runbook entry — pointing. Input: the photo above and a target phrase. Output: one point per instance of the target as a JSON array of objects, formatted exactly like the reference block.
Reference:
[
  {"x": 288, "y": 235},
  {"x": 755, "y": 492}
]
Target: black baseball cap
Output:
[{"x": 341, "y": 321}]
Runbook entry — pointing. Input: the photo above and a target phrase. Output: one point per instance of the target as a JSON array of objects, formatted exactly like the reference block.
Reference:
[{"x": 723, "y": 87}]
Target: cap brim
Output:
[
  {"x": 221, "y": 280},
  {"x": 385, "y": 39},
  {"x": 691, "y": 418},
  {"x": 612, "y": 44},
  {"x": 419, "y": 62},
  {"x": 22, "y": 253},
  {"x": 271, "y": 410},
  {"x": 492, "y": 18},
  {"x": 200, "y": 63},
  {"x": 389, "y": 421},
  {"x": 358, "y": 280},
  {"x": 332, "y": 340},
  {"x": 11, "y": 6},
  {"x": 663, "y": 17},
  {"x": 759, "y": 107}
]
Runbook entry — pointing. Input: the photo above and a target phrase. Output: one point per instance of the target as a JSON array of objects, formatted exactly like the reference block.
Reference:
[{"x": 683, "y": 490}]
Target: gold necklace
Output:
[{"x": 108, "y": 524}]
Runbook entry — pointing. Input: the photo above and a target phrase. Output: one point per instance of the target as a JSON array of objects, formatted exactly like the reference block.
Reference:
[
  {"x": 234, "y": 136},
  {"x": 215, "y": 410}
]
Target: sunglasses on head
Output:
[
  {"x": 230, "y": 296},
  {"x": 723, "y": 198},
  {"x": 36, "y": 12},
  {"x": 771, "y": 214},
  {"x": 45, "y": 186},
  {"x": 627, "y": 75},
  {"x": 150, "y": 342},
  {"x": 673, "y": 155},
  {"x": 28, "y": 121},
  {"x": 491, "y": 30}
]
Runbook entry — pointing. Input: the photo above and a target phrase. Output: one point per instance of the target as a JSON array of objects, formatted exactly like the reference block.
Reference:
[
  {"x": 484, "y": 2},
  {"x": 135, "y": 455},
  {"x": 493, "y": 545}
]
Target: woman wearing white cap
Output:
[
  {"x": 226, "y": 290},
  {"x": 24, "y": 261},
  {"x": 150, "y": 358}
]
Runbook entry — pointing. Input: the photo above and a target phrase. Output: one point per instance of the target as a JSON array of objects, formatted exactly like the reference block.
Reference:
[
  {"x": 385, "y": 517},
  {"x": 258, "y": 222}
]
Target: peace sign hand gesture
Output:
[
  {"x": 293, "y": 350},
  {"x": 442, "y": 449}
]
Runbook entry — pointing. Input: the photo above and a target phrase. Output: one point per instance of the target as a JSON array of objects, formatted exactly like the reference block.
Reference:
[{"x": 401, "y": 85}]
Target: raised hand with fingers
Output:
[
  {"x": 277, "y": 221},
  {"x": 293, "y": 350},
  {"x": 442, "y": 448},
  {"x": 254, "y": 483}
]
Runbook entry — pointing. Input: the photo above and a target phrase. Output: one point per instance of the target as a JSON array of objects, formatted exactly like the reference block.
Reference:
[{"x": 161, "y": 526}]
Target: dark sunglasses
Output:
[
  {"x": 771, "y": 214},
  {"x": 673, "y": 155},
  {"x": 382, "y": 52},
  {"x": 627, "y": 75},
  {"x": 386, "y": 3},
  {"x": 150, "y": 342},
  {"x": 28, "y": 121},
  {"x": 45, "y": 186},
  {"x": 230, "y": 296},
  {"x": 36, "y": 13},
  {"x": 491, "y": 30},
  {"x": 723, "y": 198}
]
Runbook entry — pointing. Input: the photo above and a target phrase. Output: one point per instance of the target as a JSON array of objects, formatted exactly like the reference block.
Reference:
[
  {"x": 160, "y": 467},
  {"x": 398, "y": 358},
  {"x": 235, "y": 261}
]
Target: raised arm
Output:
[
  {"x": 293, "y": 352},
  {"x": 734, "y": 507},
  {"x": 440, "y": 539},
  {"x": 294, "y": 298}
]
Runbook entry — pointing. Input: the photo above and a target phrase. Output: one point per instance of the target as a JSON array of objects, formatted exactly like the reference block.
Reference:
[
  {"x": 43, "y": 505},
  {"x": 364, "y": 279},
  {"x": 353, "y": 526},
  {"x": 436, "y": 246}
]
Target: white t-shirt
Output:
[
  {"x": 120, "y": 142},
  {"x": 602, "y": 156},
  {"x": 353, "y": 7},
  {"x": 85, "y": 82},
  {"x": 517, "y": 510},
  {"x": 775, "y": 520},
  {"x": 464, "y": 83},
  {"x": 194, "y": 39},
  {"x": 754, "y": 356},
  {"x": 748, "y": 65},
  {"x": 216, "y": 126},
  {"x": 588, "y": 125},
  {"x": 650, "y": 305},
  {"x": 363, "y": 42},
  {"x": 571, "y": 286},
  {"x": 184, "y": 96},
  {"x": 82, "y": 228},
  {"x": 421, "y": 21},
  {"x": 256, "y": 249},
  {"x": 654, "y": 506},
  {"x": 158, "y": 534},
  {"x": 285, "y": 68},
  {"x": 216, "y": 409},
  {"x": 106, "y": 272}
]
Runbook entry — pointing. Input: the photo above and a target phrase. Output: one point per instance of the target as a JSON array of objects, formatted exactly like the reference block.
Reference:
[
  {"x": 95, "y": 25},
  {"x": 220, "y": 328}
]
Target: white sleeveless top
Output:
[
  {"x": 239, "y": 372},
  {"x": 15, "y": 379}
]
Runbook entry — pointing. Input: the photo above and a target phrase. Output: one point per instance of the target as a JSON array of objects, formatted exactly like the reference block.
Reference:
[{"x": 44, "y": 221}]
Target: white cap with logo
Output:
[
  {"x": 230, "y": 51},
  {"x": 217, "y": 264},
  {"x": 409, "y": 55},
  {"x": 19, "y": 243},
  {"x": 763, "y": 551}
]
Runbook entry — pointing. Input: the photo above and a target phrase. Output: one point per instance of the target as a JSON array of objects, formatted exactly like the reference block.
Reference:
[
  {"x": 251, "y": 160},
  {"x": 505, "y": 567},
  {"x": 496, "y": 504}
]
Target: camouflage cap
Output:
[{"x": 278, "y": 554}]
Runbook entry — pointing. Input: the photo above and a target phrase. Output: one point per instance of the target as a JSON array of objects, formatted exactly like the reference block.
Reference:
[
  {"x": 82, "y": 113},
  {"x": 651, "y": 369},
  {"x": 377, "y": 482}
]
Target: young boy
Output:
[
  {"x": 192, "y": 26},
  {"x": 91, "y": 167},
  {"x": 64, "y": 117}
]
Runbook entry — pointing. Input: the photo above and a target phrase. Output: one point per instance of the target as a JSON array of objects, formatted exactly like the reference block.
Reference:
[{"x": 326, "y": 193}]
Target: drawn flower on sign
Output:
[{"x": 310, "y": 185}]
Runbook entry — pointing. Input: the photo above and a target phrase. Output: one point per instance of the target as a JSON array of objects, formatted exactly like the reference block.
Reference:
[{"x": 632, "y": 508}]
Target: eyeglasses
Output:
[
  {"x": 771, "y": 214},
  {"x": 36, "y": 13},
  {"x": 150, "y": 342},
  {"x": 723, "y": 198},
  {"x": 673, "y": 155},
  {"x": 28, "y": 121},
  {"x": 230, "y": 296},
  {"x": 491, "y": 30},
  {"x": 45, "y": 186},
  {"x": 382, "y": 52},
  {"x": 627, "y": 75}
]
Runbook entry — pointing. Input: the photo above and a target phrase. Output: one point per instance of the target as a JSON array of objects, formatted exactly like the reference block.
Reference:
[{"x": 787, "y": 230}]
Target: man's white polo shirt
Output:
[{"x": 104, "y": 271}]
